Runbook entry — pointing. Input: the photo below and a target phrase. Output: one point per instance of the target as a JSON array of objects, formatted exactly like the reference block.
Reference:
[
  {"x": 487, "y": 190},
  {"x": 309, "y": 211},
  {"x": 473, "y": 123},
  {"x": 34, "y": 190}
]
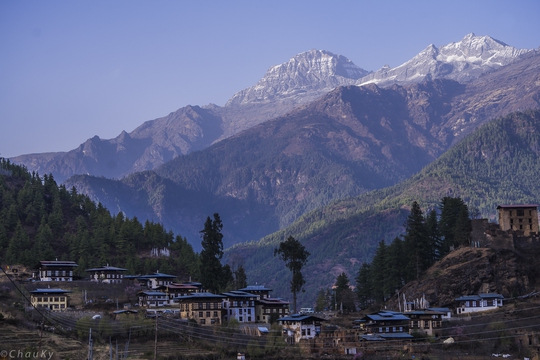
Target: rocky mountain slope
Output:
[
  {"x": 462, "y": 61},
  {"x": 302, "y": 79},
  {"x": 353, "y": 140},
  {"x": 497, "y": 164}
]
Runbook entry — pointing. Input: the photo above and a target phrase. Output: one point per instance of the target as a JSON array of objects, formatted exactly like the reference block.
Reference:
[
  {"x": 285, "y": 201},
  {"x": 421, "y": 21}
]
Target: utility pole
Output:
[
  {"x": 90, "y": 355},
  {"x": 155, "y": 339}
]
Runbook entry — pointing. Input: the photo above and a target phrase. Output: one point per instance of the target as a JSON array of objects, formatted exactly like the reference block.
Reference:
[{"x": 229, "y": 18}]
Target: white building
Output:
[
  {"x": 300, "y": 326},
  {"x": 480, "y": 302}
]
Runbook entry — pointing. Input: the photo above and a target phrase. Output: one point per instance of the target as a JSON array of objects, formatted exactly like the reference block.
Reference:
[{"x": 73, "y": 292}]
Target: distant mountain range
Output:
[
  {"x": 304, "y": 78},
  {"x": 496, "y": 164},
  {"x": 350, "y": 141},
  {"x": 325, "y": 151}
]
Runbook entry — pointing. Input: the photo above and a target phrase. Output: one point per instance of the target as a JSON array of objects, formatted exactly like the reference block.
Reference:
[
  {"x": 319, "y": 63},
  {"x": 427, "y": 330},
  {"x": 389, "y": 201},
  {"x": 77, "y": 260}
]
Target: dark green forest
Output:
[
  {"x": 497, "y": 164},
  {"x": 40, "y": 220}
]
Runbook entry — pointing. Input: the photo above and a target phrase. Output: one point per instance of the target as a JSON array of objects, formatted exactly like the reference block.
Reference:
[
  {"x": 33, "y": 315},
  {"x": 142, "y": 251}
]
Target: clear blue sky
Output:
[{"x": 70, "y": 70}]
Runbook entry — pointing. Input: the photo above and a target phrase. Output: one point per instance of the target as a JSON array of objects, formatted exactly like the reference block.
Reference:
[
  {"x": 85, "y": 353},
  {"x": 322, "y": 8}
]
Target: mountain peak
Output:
[
  {"x": 308, "y": 74},
  {"x": 461, "y": 61}
]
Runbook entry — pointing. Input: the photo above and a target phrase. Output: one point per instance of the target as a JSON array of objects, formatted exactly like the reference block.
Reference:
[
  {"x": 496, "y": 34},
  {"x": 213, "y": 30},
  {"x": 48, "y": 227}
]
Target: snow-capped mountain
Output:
[
  {"x": 306, "y": 76},
  {"x": 302, "y": 79},
  {"x": 461, "y": 61}
]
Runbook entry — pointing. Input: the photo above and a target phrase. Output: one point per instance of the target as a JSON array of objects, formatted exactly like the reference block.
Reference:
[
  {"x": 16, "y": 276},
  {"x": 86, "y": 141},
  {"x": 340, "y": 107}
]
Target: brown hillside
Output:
[{"x": 472, "y": 271}]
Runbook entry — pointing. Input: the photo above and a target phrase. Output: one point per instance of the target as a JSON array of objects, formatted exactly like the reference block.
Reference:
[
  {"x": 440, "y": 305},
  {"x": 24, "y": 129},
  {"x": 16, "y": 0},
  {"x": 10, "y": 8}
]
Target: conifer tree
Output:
[
  {"x": 295, "y": 256},
  {"x": 379, "y": 273},
  {"x": 416, "y": 241},
  {"x": 212, "y": 251},
  {"x": 364, "y": 290}
]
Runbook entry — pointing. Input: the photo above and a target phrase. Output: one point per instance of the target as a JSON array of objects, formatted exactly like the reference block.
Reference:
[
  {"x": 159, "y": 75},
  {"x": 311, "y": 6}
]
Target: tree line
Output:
[
  {"x": 41, "y": 220},
  {"x": 427, "y": 238}
]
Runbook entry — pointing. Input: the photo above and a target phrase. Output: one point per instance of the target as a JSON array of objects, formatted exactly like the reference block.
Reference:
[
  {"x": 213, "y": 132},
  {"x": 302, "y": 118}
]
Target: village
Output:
[{"x": 253, "y": 309}]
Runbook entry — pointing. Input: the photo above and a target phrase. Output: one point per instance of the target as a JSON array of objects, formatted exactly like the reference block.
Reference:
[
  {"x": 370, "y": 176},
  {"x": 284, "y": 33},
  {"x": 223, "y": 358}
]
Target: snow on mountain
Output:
[
  {"x": 461, "y": 61},
  {"x": 306, "y": 76}
]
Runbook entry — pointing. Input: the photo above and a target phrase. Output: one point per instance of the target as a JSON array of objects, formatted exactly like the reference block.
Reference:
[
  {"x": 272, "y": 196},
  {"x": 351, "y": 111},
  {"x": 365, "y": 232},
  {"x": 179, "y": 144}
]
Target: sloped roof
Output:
[
  {"x": 50, "y": 291},
  {"x": 479, "y": 297},
  {"x": 387, "y": 316},
  {"x": 301, "y": 317},
  {"x": 517, "y": 206},
  {"x": 107, "y": 268},
  {"x": 57, "y": 263}
]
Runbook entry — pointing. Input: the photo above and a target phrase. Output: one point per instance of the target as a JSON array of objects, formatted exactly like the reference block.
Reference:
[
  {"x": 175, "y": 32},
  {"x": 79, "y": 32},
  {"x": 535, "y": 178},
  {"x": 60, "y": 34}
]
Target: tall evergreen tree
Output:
[
  {"x": 364, "y": 288},
  {"x": 395, "y": 265},
  {"x": 434, "y": 237},
  {"x": 211, "y": 254},
  {"x": 462, "y": 228},
  {"x": 379, "y": 273},
  {"x": 240, "y": 278},
  {"x": 416, "y": 241},
  {"x": 295, "y": 256},
  {"x": 450, "y": 212}
]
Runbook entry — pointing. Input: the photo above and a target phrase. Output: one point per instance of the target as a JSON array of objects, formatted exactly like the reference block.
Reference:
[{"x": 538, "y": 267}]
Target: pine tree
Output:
[
  {"x": 395, "y": 265},
  {"x": 240, "y": 278},
  {"x": 364, "y": 288},
  {"x": 434, "y": 238},
  {"x": 416, "y": 242},
  {"x": 211, "y": 254},
  {"x": 379, "y": 273},
  {"x": 450, "y": 212},
  {"x": 295, "y": 256}
]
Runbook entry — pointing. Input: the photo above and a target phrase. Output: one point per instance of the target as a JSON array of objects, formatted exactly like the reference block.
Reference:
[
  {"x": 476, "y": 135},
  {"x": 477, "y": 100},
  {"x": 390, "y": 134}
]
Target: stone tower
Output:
[{"x": 519, "y": 218}]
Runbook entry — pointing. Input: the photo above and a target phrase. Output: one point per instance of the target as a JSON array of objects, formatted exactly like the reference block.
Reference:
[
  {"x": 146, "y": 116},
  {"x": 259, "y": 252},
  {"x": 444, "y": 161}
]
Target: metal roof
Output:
[
  {"x": 300, "y": 317},
  {"x": 50, "y": 291},
  {"x": 517, "y": 206},
  {"x": 202, "y": 295},
  {"x": 396, "y": 335},
  {"x": 239, "y": 294},
  {"x": 107, "y": 268},
  {"x": 255, "y": 288},
  {"x": 58, "y": 263},
  {"x": 157, "y": 276},
  {"x": 479, "y": 297},
  {"x": 152, "y": 293},
  {"x": 387, "y": 316}
]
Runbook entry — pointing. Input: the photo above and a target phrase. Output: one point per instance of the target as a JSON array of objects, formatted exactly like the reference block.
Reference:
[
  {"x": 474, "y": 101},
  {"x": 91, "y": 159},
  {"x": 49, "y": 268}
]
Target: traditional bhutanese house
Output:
[
  {"x": 268, "y": 310},
  {"x": 386, "y": 322},
  {"x": 176, "y": 290},
  {"x": 152, "y": 298},
  {"x": 447, "y": 312},
  {"x": 239, "y": 305},
  {"x": 153, "y": 281},
  {"x": 125, "y": 313},
  {"x": 52, "y": 299},
  {"x": 425, "y": 321},
  {"x": 107, "y": 274},
  {"x": 480, "y": 302},
  {"x": 521, "y": 217},
  {"x": 260, "y": 290},
  {"x": 300, "y": 326},
  {"x": 56, "y": 270},
  {"x": 203, "y": 307}
]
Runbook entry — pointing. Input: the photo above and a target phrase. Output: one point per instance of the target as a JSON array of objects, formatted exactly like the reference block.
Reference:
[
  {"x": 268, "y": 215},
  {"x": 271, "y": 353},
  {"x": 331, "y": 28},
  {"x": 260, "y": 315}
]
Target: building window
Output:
[
  {"x": 520, "y": 212},
  {"x": 215, "y": 314},
  {"x": 208, "y": 314},
  {"x": 303, "y": 332},
  {"x": 200, "y": 314},
  {"x": 203, "y": 321}
]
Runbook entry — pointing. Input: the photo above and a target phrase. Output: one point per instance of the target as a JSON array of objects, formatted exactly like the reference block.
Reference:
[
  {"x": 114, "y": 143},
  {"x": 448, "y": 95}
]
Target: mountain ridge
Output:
[{"x": 312, "y": 74}]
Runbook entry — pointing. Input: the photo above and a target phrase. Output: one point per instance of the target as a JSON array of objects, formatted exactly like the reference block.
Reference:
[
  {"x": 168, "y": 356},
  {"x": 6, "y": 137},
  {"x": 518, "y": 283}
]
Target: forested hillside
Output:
[
  {"x": 40, "y": 220},
  {"x": 497, "y": 164}
]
